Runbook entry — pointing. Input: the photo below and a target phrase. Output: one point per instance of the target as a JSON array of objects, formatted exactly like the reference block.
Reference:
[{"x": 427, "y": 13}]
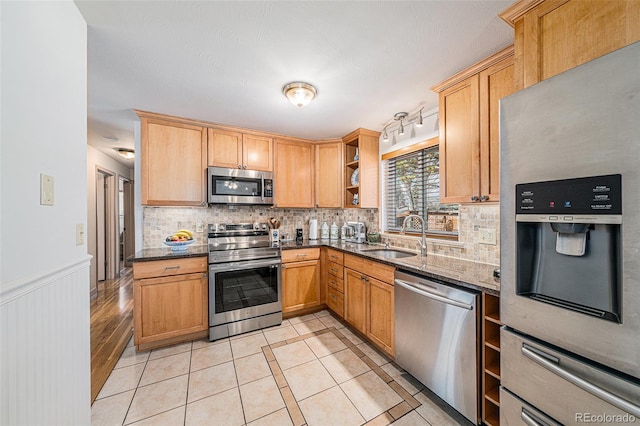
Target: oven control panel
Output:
[{"x": 600, "y": 195}]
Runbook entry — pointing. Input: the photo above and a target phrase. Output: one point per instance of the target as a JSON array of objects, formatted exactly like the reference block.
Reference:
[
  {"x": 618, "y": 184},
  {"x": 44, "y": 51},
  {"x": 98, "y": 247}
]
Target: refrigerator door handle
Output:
[
  {"x": 543, "y": 360},
  {"x": 430, "y": 295},
  {"x": 530, "y": 419}
]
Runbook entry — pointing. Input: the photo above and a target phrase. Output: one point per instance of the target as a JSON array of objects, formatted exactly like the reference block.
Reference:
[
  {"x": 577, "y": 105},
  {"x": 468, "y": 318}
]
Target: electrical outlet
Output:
[
  {"x": 199, "y": 227},
  {"x": 46, "y": 190},
  {"x": 179, "y": 225},
  {"x": 487, "y": 236},
  {"x": 79, "y": 234}
]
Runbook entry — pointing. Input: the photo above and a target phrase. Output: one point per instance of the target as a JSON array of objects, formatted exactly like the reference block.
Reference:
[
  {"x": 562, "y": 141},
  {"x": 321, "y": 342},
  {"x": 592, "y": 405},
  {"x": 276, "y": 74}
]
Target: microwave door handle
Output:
[
  {"x": 262, "y": 186},
  {"x": 536, "y": 355}
]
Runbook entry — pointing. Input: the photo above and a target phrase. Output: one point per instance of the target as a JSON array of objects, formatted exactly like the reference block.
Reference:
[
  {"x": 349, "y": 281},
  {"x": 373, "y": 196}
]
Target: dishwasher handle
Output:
[{"x": 433, "y": 296}]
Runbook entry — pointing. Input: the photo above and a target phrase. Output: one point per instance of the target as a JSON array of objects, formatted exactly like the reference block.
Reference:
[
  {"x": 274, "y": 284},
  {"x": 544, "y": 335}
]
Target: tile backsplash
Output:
[
  {"x": 473, "y": 219},
  {"x": 159, "y": 222}
]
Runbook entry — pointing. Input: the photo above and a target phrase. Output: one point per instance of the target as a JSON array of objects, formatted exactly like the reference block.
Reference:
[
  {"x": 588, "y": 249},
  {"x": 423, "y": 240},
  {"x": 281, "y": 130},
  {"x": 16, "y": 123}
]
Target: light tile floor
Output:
[{"x": 311, "y": 370}]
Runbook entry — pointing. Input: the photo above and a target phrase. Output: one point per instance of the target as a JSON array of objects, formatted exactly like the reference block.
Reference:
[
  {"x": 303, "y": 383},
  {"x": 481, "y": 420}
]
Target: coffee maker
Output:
[{"x": 356, "y": 233}]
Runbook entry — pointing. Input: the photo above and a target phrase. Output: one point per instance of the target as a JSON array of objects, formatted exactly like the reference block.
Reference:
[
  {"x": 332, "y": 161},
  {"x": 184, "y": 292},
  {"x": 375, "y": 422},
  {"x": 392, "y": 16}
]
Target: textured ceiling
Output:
[{"x": 227, "y": 61}]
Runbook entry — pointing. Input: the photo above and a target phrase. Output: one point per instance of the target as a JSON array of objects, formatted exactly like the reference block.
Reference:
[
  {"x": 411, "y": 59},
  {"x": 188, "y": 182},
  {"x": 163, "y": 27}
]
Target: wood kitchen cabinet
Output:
[
  {"x": 328, "y": 174},
  {"x": 369, "y": 300},
  {"x": 172, "y": 162},
  {"x": 170, "y": 301},
  {"x": 300, "y": 279},
  {"x": 239, "y": 150},
  {"x": 361, "y": 156},
  {"x": 469, "y": 129},
  {"x": 553, "y": 36},
  {"x": 294, "y": 174},
  {"x": 334, "y": 279}
]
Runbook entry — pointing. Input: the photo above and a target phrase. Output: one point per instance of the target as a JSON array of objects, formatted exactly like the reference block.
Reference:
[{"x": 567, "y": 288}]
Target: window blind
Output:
[{"x": 413, "y": 187}]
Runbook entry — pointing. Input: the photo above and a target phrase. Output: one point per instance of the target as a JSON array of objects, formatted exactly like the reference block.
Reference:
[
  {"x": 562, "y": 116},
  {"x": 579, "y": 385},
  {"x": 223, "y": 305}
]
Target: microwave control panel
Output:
[{"x": 589, "y": 195}]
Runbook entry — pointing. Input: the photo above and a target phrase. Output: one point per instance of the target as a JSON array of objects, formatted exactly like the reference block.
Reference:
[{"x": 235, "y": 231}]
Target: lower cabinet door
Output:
[
  {"x": 300, "y": 285},
  {"x": 355, "y": 294},
  {"x": 170, "y": 306},
  {"x": 380, "y": 310}
]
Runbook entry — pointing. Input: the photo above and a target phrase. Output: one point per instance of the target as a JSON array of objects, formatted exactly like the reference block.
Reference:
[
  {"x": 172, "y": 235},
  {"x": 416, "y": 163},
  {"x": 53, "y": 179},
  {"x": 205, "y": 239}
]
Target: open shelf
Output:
[{"x": 491, "y": 359}]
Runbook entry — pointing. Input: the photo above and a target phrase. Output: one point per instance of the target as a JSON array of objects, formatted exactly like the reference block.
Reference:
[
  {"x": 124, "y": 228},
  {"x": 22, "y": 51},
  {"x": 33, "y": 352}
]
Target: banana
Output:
[
  {"x": 182, "y": 234},
  {"x": 189, "y": 233}
]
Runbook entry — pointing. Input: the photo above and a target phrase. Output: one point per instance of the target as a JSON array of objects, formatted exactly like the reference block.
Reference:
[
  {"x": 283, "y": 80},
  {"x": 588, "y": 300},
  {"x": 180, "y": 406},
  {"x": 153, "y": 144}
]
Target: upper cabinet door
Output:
[
  {"x": 555, "y": 36},
  {"x": 224, "y": 149},
  {"x": 293, "y": 175},
  {"x": 173, "y": 163},
  {"x": 496, "y": 82},
  {"x": 460, "y": 142},
  {"x": 257, "y": 153},
  {"x": 329, "y": 174}
]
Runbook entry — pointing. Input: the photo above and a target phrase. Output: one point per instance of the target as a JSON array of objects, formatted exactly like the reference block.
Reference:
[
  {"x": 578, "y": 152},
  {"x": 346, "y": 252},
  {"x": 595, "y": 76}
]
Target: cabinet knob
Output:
[
  {"x": 244, "y": 167},
  {"x": 239, "y": 166},
  {"x": 474, "y": 198},
  {"x": 484, "y": 198}
]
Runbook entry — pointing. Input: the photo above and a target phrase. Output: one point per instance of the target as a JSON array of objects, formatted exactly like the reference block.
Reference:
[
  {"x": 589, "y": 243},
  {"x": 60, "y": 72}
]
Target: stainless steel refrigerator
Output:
[{"x": 570, "y": 246}]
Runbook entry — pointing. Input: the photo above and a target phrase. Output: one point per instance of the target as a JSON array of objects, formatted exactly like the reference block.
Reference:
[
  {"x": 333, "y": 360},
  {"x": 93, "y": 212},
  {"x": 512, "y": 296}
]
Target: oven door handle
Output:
[
  {"x": 536, "y": 355},
  {"x": 242, "y": 265}
]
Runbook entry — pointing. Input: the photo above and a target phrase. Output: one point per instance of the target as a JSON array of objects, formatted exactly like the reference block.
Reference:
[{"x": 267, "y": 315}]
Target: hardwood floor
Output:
[{"x": 111, "y": 327}]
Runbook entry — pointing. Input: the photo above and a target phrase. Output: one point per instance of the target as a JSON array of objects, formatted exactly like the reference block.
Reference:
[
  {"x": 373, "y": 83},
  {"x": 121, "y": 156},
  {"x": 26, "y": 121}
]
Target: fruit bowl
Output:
[{"x": 178, "y": 245}]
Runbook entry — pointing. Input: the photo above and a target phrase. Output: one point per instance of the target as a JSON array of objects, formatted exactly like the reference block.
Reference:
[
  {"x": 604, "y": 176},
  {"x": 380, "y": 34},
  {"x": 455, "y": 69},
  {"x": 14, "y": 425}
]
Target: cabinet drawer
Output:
[
  {"x": 335, "y": 269},
  {"x": 336, "y": 283},
  {"x": 164, "y": 268},
  {"x": 335, "y": 256},
  {"x": 335, "y": 301},
  {"x": 370, "y": 267},
  {"x": 300, "y": 255}
]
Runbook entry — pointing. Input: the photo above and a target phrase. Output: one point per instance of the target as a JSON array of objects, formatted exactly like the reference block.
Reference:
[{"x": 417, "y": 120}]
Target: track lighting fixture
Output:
[
  {"x": 385, "y": 135},
  {"x": 419, "y": 122},
  {"x": 400, "y": 116}
]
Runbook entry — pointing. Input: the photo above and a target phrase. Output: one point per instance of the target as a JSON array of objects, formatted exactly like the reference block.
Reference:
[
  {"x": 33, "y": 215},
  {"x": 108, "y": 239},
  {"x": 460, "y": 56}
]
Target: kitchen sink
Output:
[{"x": 390, "y": 253}]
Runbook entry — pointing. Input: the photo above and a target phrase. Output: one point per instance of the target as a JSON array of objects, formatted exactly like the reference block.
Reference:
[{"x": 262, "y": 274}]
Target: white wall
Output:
[
  {"x": 44, "y": 282},
  {"x": 95, "y": 160}
]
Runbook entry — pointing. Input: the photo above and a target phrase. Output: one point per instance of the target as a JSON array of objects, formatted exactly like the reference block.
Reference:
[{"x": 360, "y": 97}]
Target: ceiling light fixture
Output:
[
  {"x": 385, "y": 135},
  {"x": 419, "y": 122},
  {"x": 126, "y": 153},
  {"x": 400, "y": 116},
  {"x": 299, "y": 93}
]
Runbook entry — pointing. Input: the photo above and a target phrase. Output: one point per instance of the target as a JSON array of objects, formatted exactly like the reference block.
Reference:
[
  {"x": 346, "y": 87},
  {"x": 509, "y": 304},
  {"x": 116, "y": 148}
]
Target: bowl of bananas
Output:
[{"x": 179, "y": 240}]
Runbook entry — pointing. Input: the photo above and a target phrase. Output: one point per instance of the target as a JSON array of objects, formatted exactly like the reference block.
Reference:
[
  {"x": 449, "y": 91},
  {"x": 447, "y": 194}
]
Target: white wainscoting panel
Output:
[{"x": 45, "y": 358}]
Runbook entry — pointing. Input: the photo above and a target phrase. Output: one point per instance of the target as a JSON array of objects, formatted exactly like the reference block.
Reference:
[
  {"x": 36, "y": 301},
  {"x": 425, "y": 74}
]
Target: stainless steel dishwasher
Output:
[{"x": 437, "y": 339}]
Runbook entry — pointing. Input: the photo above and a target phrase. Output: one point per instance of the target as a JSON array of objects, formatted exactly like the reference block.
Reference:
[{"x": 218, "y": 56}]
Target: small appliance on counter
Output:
[{"x": 357, "y": 232}]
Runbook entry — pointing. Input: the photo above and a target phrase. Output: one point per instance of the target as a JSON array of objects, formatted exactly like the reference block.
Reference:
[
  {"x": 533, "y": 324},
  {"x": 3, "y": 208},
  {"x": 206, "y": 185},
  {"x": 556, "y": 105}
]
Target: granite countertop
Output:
[
  {"x": 164, "y": 253},
  {"x": 464, "y": 273}
]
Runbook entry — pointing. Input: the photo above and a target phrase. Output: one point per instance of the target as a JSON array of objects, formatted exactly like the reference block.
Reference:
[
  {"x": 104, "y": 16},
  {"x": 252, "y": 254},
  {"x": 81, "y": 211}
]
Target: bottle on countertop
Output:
[
  {"x": 324, "y": 231},
  {"x": 334, "y": 232},
  {"x": 344, "y": 230}
]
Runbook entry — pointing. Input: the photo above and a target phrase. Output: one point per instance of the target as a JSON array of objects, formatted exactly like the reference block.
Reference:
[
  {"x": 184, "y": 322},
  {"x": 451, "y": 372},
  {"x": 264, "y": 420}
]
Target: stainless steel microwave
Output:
[{"x": 239, "y": 186}]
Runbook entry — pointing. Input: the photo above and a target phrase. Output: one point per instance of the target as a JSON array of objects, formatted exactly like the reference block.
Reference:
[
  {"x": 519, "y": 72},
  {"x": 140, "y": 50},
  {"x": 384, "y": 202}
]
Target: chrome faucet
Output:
[{"x": 423, "y": 241}]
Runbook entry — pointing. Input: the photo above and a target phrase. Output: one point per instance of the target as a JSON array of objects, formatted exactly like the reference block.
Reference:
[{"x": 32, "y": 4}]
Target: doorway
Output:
[
  {"x": 106, "y": 226},
  {"x": 126, "y": 233}
]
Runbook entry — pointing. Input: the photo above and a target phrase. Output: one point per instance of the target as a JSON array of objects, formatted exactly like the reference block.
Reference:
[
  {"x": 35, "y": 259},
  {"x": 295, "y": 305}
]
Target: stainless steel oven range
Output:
[{"x": 245, "y": 289}]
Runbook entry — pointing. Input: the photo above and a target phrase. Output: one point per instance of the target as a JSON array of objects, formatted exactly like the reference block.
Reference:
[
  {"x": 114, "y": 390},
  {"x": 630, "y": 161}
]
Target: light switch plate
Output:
[
  {"x": 46, "y": 190},
  {"x": 79, "y": 234}
]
